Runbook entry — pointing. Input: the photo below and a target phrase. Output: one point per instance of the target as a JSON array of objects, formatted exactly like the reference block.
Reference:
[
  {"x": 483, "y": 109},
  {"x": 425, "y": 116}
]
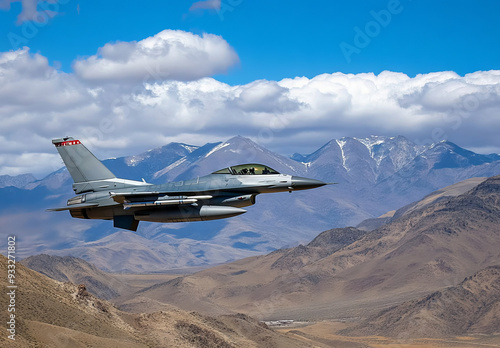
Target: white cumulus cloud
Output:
[
  {"x": 38, "y": 102},
  {"x": 169, "y": 55}
]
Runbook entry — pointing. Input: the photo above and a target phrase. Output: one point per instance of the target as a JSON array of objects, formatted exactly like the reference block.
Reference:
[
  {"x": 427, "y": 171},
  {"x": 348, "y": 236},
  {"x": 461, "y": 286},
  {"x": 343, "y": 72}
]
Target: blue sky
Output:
[
  {"x": 278, "y": 39},
  {"x": 291, "y": 75}
]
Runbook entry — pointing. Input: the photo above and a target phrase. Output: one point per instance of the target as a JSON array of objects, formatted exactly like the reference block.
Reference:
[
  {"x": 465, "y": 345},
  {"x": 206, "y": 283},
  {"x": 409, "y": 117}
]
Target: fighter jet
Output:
[{"x": 222, "y": 194}]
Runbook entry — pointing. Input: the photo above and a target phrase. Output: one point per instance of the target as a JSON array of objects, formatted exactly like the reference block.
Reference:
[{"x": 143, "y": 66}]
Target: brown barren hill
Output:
[
  {"x": 248, "y": 285},
  {"x": 77, "y": 271},
  {"x": 49, "y": 313},
  {"x": 431, "y": 247},
  {"x": 471, "y": 307}
]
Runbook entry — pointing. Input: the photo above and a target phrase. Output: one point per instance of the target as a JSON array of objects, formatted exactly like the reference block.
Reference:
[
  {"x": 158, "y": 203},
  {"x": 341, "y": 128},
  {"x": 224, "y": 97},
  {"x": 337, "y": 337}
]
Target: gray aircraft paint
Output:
[{"x": 219, "y": 195}]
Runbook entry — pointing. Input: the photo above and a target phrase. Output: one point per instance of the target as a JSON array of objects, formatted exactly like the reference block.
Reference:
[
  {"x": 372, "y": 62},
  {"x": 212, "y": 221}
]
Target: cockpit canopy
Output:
[{"x": 247, "y": 169}]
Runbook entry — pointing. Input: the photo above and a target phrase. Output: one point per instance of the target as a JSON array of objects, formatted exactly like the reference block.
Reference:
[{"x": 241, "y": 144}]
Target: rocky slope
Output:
[
  {"x": 375, "y": 174},
  {"x": 51, "y": 313},
  {"x": 471, "y": 307},
  {"x": 422, "y": 251},
  {"x": 77, "y": 271},
  {"x": 439, "y": 195}
]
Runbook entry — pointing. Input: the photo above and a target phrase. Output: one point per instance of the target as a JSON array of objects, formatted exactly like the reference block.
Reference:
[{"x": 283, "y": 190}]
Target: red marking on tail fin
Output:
[{"x": 68, "y": 143}]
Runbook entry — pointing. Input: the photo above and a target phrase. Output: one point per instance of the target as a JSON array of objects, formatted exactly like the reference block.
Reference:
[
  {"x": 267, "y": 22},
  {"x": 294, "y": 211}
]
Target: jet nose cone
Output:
[{"x": 299, "y": 183}]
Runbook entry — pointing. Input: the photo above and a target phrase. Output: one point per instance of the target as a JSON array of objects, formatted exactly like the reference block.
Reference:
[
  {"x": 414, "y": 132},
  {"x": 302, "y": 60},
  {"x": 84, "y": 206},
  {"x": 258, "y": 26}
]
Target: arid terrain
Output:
[
  {"x": 350, "y": 273},
  {"x": 78, "y": 271},
  {"x": 50, "y": 313},
  {"x": 469, "y": 307},
  {"x": 428, "y": 276}
]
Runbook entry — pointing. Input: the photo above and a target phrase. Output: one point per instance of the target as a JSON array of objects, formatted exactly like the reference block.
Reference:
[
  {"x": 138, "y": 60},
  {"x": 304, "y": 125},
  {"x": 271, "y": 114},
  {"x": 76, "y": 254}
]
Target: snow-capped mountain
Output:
[
  {"x": 375, "y": 175},
  {"x": 370, "y": 159},
  {"x": 439, "y": 165},
  {"x": 212, "y": 157}
]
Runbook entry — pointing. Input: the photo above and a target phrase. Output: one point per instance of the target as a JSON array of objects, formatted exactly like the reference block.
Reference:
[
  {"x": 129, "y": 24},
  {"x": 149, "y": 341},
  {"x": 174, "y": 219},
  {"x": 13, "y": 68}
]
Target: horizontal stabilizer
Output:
[{"x": 75, "y": 206}]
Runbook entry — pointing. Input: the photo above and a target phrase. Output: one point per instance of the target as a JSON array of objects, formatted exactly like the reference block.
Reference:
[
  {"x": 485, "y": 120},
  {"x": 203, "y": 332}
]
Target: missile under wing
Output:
[{"x": 221, "y": 194}]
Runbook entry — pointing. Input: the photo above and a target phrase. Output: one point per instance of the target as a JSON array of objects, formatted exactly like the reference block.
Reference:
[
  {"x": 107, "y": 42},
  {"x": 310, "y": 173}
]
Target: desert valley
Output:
[{"x": 425, "y": 275}]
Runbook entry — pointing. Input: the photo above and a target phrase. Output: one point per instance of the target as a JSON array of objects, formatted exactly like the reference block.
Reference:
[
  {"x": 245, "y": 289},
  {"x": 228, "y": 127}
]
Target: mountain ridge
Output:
[
  {"x": 404, "y": 259},
  {"x": 55, "y": 314},
  {"x": 468, "y": 308},
  {"x": 18, "y": 181},
  {"x": 77, "y": 271},
  {"x": 375, "y": 175}
]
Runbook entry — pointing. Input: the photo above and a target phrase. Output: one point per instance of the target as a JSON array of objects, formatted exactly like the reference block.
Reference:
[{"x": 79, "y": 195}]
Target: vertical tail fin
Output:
[
  {"x": 81, "y": 163},
  {"x": 88, "y": 173}
]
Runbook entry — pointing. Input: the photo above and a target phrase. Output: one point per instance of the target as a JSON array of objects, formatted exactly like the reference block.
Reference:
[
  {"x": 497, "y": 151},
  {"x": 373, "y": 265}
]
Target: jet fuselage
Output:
[{"x": 218, "y": 195}]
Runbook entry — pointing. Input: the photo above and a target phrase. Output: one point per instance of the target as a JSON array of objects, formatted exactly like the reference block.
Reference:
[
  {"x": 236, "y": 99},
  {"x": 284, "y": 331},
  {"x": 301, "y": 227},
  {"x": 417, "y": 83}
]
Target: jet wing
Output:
[{"x": 75, "y": 206}]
